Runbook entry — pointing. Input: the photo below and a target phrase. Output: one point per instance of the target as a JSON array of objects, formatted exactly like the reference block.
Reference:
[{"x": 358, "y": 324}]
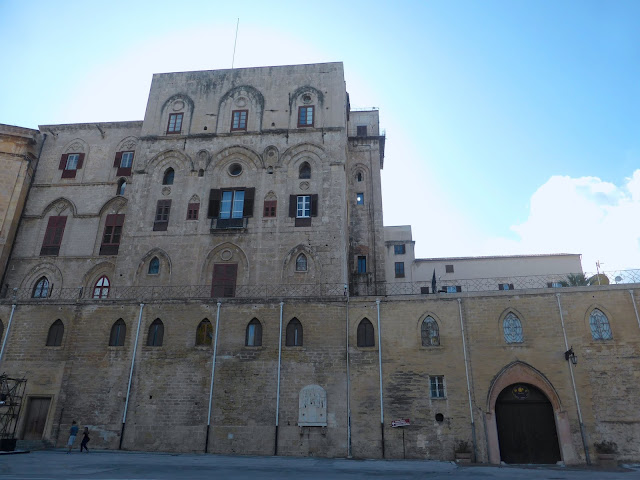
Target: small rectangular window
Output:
[
  {"x": 399, "y": 250},
  {"x": 359, "y": 198},
  {"x": 361, "y": 130},
  {"x": 70, "y": 163},
  {"x": 399, "y": 269},
  {"x": 53, "y": 235},
  {"x": 453, "y": 288},
  {"x": 123, "y": 162},
  {"x": 163, "y": 208},
  {"x": 424, "y": 290},
  {"x": 239, "y": 120},
  {"x": 362, "y": 264},
  {"x": 112, "y": 233},
  {"x": 437, "y": 386},
  {"x": 305, "y": 116},
  {"x": 270, "y": 208},
  {"x": 175, "y": 123},
  {"x": 448, "y": 268},
  {"x": 192, "y": 211}
]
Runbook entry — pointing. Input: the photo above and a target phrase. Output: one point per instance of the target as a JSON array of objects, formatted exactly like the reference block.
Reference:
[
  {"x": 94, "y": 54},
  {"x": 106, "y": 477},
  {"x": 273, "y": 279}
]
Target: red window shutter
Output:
[
  {"x": 293, "y": 205},
  {"x": 224, "y": 280},
  {"x": 116, "y": 162},
  {"x": 247, "y": 209},
  {"x": 124, "y": 172},
  {"x": 314, "y": 205},
  {"x": 53, "y": 235},
  {"x": 80, "y": 161},
  {"x": 214, "y": 203},
  {"x": 63, "y": 161},
  {"x": 270, "y": 208},
  {"x": 68, "y": 173}
]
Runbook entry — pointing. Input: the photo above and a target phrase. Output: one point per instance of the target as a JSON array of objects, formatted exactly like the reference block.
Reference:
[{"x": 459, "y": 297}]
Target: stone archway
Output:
[{"x": 521, "y": 373}]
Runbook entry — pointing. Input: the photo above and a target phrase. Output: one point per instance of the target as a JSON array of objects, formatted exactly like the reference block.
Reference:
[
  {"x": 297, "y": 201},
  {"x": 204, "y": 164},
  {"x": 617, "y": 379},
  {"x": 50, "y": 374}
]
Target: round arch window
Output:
[{"x": 235, "y": 169}]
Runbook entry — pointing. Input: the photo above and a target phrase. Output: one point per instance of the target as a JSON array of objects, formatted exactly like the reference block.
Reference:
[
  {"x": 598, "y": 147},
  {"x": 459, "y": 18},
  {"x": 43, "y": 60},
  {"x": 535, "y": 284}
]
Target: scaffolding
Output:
[{"x": 11, "y": 395}]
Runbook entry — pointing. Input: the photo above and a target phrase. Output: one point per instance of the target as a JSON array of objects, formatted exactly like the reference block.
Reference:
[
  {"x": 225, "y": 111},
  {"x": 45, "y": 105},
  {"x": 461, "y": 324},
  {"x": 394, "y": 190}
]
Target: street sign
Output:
[{"x": 401, "y": 423}]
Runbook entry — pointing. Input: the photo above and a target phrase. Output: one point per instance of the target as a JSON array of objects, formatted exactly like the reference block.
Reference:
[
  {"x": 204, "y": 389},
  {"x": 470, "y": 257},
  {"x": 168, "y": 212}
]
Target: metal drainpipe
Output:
[
  {"x": 348, "y": 385},
  {"x": 213, "y": 370},
  {"x": 633, "y": 300},
  {"x": 275, "y": 449},
  {"x": 380, "y": 367},
  {"x": 133, "y": 360},
  {"x": 575, "y": 391},
  {"x": 6, "y": 335},
  {"x": 466, "y": 370}
]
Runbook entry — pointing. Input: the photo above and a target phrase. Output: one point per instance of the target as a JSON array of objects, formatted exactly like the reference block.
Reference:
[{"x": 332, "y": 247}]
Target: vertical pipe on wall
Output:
[
  {"x": 573, "y": 382},
  {"x": 133, "y": 361},
  {"x": 633, "y": 300},
  {"x": 6, "y": 334},
  {"x": 348, "y": 385},
  {"x": 380, "y": 369},
  {"x": 275, "y": 449},
  {"x": 466, "y": 371},
  {"x": 213, "y": 371}
]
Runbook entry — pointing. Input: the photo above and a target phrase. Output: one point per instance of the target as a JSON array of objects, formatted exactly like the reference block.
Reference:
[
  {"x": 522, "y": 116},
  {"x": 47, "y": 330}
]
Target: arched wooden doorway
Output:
[{"x": 526, "y": 426}]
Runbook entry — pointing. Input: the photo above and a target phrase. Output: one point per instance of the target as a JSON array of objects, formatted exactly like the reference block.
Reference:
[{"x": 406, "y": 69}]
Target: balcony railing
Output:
[{"x": 218, "y": 224}]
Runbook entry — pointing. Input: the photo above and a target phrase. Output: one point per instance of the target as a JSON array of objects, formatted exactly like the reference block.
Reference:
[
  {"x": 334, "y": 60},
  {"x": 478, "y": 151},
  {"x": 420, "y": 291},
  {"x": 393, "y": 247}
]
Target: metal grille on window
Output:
[
  {"x": 430, "y": 333},
  {"x": 512, "y": 328},
  {"x": 600, "y": 328},
  {"x": 41, "y": 290}
]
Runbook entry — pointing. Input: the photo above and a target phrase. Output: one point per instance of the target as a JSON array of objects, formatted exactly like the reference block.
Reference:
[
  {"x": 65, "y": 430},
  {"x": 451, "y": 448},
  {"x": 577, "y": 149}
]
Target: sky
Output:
[{"x": 512, "y": 127}]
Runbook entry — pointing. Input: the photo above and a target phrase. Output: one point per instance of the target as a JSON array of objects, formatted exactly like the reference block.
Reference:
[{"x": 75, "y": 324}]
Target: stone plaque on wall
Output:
[{"x": 312, "y": 410}]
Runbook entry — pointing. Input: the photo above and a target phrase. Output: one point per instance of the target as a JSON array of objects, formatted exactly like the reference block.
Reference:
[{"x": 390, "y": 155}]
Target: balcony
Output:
[{"x": 221, "y": 225}]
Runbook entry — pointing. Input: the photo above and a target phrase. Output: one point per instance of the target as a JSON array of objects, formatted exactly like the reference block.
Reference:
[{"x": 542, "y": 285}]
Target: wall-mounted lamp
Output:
[{"x": 569, "y": 355}]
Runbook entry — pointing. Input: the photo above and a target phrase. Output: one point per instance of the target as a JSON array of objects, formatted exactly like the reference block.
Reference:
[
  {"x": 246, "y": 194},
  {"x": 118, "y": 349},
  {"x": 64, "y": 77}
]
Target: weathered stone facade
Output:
[{"x": 309, "y": 352}]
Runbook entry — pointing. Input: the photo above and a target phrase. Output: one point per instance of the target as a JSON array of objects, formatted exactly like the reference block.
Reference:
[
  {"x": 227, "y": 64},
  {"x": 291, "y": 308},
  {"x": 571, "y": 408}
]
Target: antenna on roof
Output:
[{"x": 234, "y": 44}]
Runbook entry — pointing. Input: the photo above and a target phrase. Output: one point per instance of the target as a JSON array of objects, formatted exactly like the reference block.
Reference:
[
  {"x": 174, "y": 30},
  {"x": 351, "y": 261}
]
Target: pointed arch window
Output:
[
  {"x": 204, "y": 333},
  {"x": 122, "y": 184},
  {"x": 294, "y": 333},
  {"x": 301, "y": 263},
  {"x": 599, "y": 323},
  {"x": 101, "y": 288},
  {"x": 512, "y": 328},
  {"x": 169, "y": 174},
  {"x": 41, "y": 290},
  {"x": 365, "y": 334},
  {"x": 154, "y": 266},
  {"x": 253, "y": 337},
  {"x": 118, "y": 333},
  {"x": 156, "y": 333},
  {"x": 305, "y": 170},
  {"x": 429, "y": 332},
  {"x": 56, "y": 331}
]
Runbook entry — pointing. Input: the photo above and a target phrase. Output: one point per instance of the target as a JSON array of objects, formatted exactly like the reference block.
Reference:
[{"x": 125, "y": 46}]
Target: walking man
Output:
[
  {"x": 73, "y": 431},
  {"x": 85, "y": 439}
]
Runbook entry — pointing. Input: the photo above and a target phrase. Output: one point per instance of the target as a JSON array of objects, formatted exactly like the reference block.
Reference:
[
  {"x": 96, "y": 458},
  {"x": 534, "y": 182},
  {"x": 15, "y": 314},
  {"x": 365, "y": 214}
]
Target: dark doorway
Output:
[
  {"x": 224, "y": 280},
  {"x": 36, "y": 418},
  {"x": 526, "y": 426}
]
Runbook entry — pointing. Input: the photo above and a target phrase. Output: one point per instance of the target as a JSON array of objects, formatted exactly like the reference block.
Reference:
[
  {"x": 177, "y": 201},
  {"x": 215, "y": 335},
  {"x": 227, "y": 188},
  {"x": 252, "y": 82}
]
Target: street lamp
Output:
[{"x": 569, "y": 355}]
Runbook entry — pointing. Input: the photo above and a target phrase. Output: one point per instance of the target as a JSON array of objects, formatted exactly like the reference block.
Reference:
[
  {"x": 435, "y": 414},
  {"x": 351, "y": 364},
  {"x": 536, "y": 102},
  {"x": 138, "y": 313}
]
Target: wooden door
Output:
[
  {"x": 36, "y": 418},
  {"x": 526, "y": 426},
  {"x": 224, "y": 280}
]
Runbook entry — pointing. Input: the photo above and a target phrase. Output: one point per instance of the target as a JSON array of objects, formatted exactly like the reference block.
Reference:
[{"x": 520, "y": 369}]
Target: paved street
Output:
[{"x": 132, "y": 465}]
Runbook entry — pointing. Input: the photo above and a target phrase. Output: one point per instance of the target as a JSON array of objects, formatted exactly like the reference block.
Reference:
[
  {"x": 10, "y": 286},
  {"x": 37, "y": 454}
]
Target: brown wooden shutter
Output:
[
  {"x": 53, "y": 235},
  {"x": 501, "y": 286},
  {"x": 63, "y": 161},
  {"x": 293, "y": 205},
  {"x": 549, "y": 285},
  {"x": 458, "y": 288},
  {"x": 314, "y": 205},
  {"x": 214, "y": 203},
  {"x": 80, "y": 161},
  {"x": 247, "y": 209},
  {"x": 116, "y": 162}
]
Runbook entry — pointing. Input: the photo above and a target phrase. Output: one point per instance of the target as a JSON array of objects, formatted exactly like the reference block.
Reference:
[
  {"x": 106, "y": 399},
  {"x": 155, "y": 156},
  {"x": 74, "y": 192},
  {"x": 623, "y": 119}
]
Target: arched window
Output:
[
  {"x": 305, "y": 170},
  {"x": 365, "y": 333},
  {"x": 156, "y": 333},
  {"x": 118, "y": 333},
  {"x": 253, "y": 338},
  {"x": 301, "y": 263},
  {"x": 600, "y": 328},
  {"x": 294, "y": 333},
  {"x": 204, "y": 333},
  {"x": 56, "y": 331},
  {"x": 41, "y": 290},
  {"x": 359, "y": 176},
  {"x": 122, "y": 184},
  {"x": 168, "y": 176},
  {"x": 512, "y": 328},
  {"x": 154, "y": 266},
  {"x": 101, "y": 288},
  {"x": 430, "y": 333}
]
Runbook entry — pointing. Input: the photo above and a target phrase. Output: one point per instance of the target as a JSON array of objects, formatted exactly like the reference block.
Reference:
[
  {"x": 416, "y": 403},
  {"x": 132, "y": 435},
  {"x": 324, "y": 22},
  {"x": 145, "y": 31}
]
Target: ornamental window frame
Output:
[
  {"x": 512, "y": 329},
  {"x": 600, "y": 326}
]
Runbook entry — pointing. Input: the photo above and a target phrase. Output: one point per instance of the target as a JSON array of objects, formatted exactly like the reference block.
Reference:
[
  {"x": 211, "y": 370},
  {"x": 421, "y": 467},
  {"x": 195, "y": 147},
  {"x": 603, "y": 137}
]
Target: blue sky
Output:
[{"x": 512, "y": 127}]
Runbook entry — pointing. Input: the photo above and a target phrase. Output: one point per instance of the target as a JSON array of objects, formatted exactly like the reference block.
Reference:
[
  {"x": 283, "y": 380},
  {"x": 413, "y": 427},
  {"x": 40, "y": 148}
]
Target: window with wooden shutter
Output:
[
  {"x": 192, "y": 211},
  {"x": 224, "y": 280},
  {"x": 112, "y": 232},
  {"x": 70, "y": 163},
  {"x": 175, "y": 123},
  {"x": 214, "y": 203},
  {"x": 53, "y": 235},
  {"x": 270, "y": 208},
  {"x": 239, "y": 120},
  {"x": 161, "y": 222},
  {"x": 249, "y": 195},
  {"x": 123, "y": 162}
]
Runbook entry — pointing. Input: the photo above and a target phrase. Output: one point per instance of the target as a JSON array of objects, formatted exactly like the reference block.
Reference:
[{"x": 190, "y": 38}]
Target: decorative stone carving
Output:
[
  {"x": 178, "y": 105},
  {"x": 312, "y": 407},
  {"x": 166, "y": 191},
  {"x": 75, "y": 147},
  {"x": 304, "y": 185},
  {"x": 226, "y": 255}
]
